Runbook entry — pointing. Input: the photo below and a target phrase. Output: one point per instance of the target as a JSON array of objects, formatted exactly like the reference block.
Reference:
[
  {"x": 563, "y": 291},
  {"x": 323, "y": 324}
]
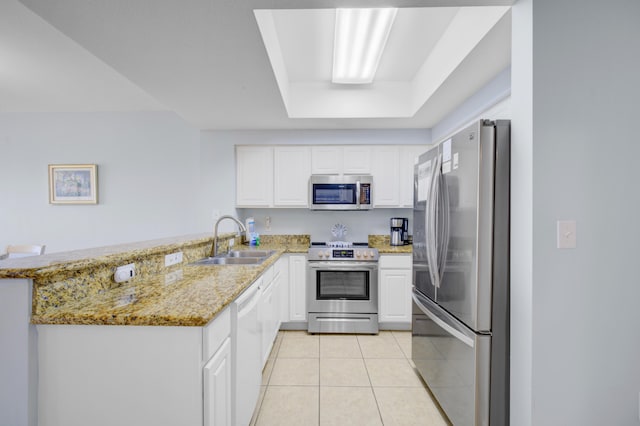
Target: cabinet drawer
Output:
[
  {"x": 395, "y": 261},
  {"x": 214, "y": 333}
]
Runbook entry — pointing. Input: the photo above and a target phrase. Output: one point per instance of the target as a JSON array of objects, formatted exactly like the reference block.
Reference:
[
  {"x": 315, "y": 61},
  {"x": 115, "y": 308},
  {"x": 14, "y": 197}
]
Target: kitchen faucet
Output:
[{"x": 241, "y": 229}]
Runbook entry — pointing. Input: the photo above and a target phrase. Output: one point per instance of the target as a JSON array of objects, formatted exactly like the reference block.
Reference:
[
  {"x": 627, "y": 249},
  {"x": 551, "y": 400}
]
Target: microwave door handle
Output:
[{"x": 357, "y": 194}]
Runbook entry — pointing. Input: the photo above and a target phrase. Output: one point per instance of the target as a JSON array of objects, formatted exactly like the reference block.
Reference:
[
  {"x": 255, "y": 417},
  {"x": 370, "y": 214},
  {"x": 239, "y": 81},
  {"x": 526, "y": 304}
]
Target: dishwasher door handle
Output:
[{"x": 249, "y": 301}]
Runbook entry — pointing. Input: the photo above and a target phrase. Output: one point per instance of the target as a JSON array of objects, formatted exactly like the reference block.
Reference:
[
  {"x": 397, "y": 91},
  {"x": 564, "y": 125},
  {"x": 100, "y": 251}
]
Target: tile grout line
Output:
[
  {"x": 370, "y": 382},
  {"x": 319, "y": 378}
]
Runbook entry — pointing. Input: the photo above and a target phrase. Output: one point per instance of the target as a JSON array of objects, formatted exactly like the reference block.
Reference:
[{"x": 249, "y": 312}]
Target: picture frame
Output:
[{"x": 73, "y": 184}]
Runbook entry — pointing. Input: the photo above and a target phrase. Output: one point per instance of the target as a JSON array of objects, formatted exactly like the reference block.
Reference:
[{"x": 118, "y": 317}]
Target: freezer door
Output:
[
  {"x": 466, "y": 221},
  {"x": 453, "y": 361}
]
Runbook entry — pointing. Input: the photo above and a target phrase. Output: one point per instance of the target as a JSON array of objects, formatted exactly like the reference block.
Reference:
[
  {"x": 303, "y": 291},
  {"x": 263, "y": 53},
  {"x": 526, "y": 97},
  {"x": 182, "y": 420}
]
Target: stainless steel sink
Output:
[
  {"x": 250, "y": 253},
  {"x": 237, "y": 257},
  {"x": 223, "y": 260}
]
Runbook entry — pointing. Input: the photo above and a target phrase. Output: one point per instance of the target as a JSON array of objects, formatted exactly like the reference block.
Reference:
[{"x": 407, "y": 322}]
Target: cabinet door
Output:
[
  {"x": 356, "y": 160},
  {"x": 292, "y": 168},
  {"x": 297, "y": 288},
  {"x": 408, "y": 155},
  {"x": 266, "y": 313},
  {"x": 395, "y": 295},
  {"x": 283, "y": 295},
  {"x": 217, "y": 387},
  {"x": 326, "y": 160},
  {"x": 254, "y": 176},
  {"x": 385, "y": 167}
]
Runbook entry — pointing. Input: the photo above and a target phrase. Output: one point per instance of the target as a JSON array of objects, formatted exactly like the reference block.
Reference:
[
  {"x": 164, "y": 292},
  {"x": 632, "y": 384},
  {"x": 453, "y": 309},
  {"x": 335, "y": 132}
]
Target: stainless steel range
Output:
[{"x": 342, "y": 288}]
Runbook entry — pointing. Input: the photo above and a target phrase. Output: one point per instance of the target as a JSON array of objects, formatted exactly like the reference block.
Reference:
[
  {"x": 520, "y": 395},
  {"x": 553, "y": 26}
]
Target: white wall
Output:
[
  {"x": 148, "y": 178},
  {"x": 360, "y": 224},
  {"x": 218, "y": 171},
  {"x": 581, "y": 117},
  {"x": 492, "y": 102},
  {"x": 521, "y": 215}
]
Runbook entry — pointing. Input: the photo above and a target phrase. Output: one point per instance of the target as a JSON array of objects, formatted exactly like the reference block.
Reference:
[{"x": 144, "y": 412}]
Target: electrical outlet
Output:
[
  {"x": 125, "y": 273},
  {"x": 267, "y": 223},
  {"x": 173, "y": 258},
  {"x": 172, "y": 277}
]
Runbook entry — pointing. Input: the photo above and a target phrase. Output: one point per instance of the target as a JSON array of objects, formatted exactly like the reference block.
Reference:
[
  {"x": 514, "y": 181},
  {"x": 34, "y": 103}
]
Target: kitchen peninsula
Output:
[
  {"x": 46, "y": 298},
  {"x": 148, "y": 348}
]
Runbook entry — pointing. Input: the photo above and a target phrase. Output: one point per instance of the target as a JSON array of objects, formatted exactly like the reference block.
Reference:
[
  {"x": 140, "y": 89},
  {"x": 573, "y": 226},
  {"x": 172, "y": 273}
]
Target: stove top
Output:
[{"x": 342, "y": 251}]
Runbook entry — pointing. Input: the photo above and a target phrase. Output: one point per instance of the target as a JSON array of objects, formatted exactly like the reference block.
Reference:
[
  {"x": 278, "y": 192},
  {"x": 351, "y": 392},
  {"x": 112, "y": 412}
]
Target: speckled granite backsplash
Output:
[{"x": 286, "y": 240}]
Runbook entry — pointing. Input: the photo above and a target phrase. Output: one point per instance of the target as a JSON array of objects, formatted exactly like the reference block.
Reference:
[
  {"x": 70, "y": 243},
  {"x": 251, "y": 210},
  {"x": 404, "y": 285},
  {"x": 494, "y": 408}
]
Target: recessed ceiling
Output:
[
  {"x": 424, "y": 47},
  {"x": 206, "y": 60}
]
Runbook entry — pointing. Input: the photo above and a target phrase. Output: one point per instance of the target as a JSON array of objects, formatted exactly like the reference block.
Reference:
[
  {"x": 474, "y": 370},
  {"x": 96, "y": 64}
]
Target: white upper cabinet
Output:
[
  {"x": 356, "y": 160},
  {"x": 292, "y": 168},
  {"x": 341, "y": 160},
  {"x": 408, "y": 155},
  {"x": 392, "y": 170},
  {"x": 278, "y": 176},
  {"x": 385, "y": 168},
  {"x": 254, "y": 176},
  {"x": 326, "y": 160}
]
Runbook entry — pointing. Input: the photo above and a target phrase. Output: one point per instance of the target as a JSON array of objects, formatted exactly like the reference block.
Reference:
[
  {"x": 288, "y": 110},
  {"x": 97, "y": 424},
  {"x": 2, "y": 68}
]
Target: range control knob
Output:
[
  {"x": 327, "y": 254},
  {"x": 358, "y": 254}
]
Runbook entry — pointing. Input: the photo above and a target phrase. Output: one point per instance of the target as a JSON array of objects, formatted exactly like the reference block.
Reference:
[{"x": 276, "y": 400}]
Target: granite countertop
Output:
[
  {"x": 381, "y": 242},
  {"x": 33, "y": 266},
  {"x": 179, "y": 295},
  {"x": 186, "y": 296}
]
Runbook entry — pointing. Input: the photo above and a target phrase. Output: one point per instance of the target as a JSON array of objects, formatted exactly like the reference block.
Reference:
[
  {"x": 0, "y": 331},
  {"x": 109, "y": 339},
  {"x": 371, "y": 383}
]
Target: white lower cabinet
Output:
[
  {"x": 217, "y": 387},
  {"x": 297, "y": 288},
  {"x": 134, "y": 375},
  {"x": 281, "y": 274},
  {"x": 151, "y": 375},
  {"x": 267, "y": 313},
  {"x": 394, "y": 280}
]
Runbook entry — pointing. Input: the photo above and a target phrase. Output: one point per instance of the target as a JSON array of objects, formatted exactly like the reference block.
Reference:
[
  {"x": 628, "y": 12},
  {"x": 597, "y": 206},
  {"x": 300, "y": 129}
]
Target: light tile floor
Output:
[{"x": 336, "y": 379}]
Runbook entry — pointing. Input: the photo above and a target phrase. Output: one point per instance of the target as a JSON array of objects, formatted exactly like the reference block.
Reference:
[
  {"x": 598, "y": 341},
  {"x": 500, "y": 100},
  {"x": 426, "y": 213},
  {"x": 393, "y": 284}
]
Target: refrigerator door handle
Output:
[
  {"x": 431, "y": 225},
  {"x": 442, "y": 225},
  {"x": 442, "y": 324}
]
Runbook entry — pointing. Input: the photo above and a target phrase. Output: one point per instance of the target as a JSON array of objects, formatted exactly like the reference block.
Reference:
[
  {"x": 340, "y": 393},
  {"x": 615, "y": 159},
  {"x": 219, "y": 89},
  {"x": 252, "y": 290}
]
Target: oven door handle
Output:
[{"x": 347, "y": 267}]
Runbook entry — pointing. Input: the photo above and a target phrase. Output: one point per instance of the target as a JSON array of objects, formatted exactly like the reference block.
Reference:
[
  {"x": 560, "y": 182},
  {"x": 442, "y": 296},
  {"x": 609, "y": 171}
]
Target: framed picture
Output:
[{"x": 73, "y": 184}]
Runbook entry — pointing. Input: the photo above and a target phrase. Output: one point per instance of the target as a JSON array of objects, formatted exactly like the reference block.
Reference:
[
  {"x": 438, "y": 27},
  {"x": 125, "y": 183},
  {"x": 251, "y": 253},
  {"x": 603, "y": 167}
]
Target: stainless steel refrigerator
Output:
[{"x": 460, "y": 337}]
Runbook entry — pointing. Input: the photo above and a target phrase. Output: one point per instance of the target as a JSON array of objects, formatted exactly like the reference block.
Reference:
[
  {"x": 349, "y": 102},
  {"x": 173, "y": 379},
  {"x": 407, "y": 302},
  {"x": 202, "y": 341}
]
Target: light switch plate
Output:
[{"x": 566, "y": 234}]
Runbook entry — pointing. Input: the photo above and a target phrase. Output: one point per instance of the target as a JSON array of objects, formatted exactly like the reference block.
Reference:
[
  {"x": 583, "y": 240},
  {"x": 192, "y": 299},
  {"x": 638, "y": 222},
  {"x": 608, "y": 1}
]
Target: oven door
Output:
[{"x": 342, "y": 287}]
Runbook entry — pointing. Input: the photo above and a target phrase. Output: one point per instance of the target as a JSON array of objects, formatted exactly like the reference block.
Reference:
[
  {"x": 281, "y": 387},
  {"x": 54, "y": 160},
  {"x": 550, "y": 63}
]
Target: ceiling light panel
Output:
[{"x": 360, "y": 37}]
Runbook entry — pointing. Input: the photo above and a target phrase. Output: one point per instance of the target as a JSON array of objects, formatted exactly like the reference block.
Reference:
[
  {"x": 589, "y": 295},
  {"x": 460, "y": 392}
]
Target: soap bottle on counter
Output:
[{"x": 252, "y": 235}]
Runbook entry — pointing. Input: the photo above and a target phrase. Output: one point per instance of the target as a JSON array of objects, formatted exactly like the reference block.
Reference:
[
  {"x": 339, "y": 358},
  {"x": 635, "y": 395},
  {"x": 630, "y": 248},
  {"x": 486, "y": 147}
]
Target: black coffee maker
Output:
[{"x": 399, "y": 231}]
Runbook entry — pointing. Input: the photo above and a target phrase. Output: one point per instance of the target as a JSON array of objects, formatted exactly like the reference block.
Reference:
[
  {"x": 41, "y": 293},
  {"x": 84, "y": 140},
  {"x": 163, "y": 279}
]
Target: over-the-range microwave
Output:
[{"x": 349, "y": 192}]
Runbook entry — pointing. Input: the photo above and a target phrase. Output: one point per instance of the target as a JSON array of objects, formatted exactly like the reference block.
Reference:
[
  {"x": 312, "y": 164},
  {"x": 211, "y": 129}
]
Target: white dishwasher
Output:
[{"x": 247, "y": 372}]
